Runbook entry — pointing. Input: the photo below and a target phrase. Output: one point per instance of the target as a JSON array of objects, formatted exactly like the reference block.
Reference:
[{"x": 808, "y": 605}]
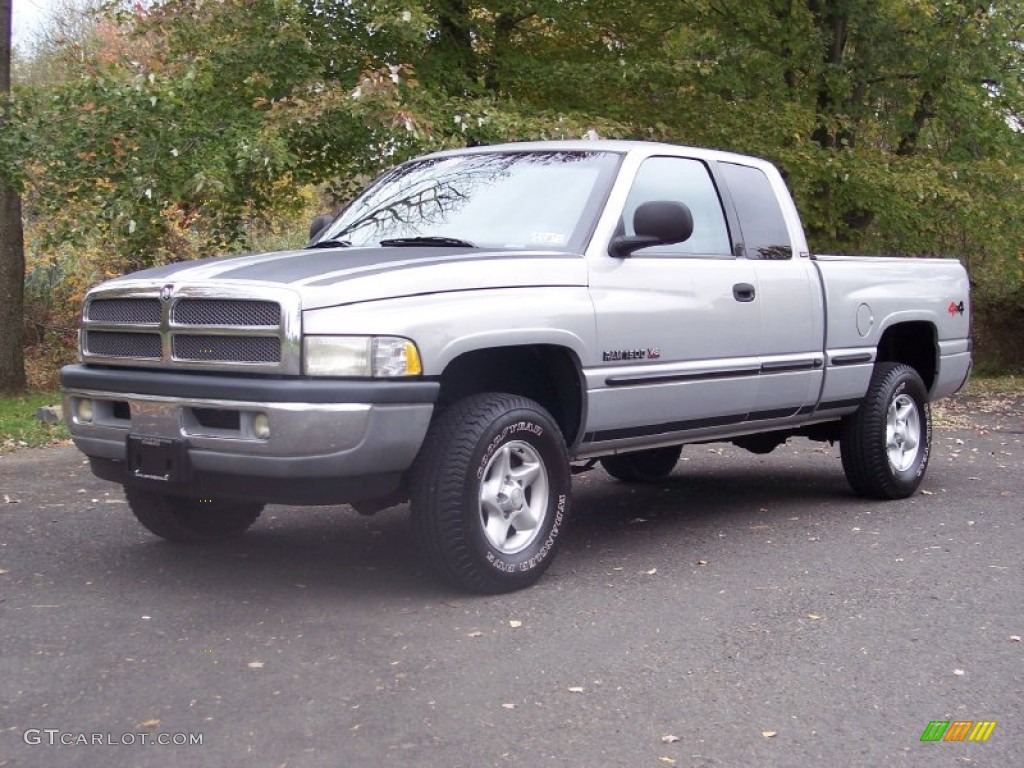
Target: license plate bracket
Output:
[{"x": 159, "y": 459}]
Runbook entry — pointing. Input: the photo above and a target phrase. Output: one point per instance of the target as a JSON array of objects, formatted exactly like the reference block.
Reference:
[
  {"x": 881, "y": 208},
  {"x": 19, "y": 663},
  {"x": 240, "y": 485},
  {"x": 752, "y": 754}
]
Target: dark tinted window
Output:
[{"x": 761, "y": 221}]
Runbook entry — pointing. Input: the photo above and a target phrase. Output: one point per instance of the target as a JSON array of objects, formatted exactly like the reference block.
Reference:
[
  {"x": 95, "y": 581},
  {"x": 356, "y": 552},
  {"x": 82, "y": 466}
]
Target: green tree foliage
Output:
[{"x": 896, "y": 121}]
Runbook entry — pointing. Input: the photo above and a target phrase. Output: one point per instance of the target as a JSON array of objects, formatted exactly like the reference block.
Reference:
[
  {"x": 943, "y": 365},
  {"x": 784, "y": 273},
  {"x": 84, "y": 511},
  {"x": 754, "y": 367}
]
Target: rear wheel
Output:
[
  {"x": 642, "y": 466},
  {"x": 490, "y": 493},
  {"x": 188, "y": 520},
  {"x": 885, "y": 445}
]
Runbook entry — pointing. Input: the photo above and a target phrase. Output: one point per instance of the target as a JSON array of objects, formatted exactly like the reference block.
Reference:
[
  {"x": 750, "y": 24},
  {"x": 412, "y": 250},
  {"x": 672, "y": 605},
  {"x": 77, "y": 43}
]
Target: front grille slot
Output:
[
  {"x": 119, "y": 344},
  {"x": 221, "y": 312},
  {"x": 227, "y": 349},
  {"x": 123, "y": 311}
]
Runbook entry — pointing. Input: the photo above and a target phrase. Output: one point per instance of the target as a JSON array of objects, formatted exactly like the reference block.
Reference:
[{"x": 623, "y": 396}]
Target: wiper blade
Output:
[
  {"x": 330, "y": 244},
  {"x": 428, "y": 240}
]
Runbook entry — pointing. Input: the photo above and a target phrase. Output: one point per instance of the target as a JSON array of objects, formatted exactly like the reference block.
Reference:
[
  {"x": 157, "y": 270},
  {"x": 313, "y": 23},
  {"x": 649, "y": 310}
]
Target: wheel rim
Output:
[
  {"x": 513, "y": 497},
  {"x": 903, "y": 433}
]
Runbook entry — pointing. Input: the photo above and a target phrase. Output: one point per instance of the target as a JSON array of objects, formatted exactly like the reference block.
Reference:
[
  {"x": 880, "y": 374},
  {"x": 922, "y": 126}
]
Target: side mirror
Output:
[
  {"x": 658, "y": 222},
  {"x": 319, "y": 224}
]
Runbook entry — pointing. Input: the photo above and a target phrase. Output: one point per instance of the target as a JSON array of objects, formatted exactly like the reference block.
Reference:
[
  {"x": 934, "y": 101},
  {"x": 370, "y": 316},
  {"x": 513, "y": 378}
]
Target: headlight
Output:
[{"x": 380, "y": 356}]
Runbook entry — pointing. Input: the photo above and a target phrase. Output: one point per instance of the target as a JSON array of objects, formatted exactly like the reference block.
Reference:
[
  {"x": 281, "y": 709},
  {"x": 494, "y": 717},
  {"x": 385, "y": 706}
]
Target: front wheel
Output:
[
  {"x": 188, "y": 520},
  {"x": 490, "y": 493},
  {"x": 885, "y": 445}
]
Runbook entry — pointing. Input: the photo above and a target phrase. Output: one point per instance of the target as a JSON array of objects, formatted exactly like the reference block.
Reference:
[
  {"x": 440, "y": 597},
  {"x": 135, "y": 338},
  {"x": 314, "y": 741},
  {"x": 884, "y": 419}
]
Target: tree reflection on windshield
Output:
[{"x": 505, "y": 200}]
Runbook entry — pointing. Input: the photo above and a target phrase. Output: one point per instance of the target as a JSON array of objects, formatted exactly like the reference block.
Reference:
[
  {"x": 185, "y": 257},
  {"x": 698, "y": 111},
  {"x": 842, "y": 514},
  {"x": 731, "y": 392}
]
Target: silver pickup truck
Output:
[{"x": 481, "y": 323}]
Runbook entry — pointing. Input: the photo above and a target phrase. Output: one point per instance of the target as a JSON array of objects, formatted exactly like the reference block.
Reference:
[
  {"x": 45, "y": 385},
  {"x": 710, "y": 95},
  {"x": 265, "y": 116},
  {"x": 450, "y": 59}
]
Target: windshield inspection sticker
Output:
[{"x": 548, "y": 238}]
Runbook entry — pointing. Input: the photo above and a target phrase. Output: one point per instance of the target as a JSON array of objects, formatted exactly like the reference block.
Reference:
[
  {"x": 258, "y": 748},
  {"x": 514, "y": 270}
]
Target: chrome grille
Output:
[
  {"x": 194, "y": 326},
  {"x": 120, "y": 344},
  {"x": 219, "y": 312},
  {"x": 123, "y": 311},
  {"x": 227, "y": 349}
]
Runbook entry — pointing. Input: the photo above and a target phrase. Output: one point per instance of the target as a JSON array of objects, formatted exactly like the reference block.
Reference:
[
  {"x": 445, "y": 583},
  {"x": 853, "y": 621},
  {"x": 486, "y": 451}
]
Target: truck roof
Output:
[{"x": 621, "y": 146}]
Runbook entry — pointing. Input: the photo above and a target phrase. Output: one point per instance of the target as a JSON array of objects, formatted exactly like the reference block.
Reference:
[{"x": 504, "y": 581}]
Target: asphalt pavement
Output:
[{"x": 747, "y": 611}]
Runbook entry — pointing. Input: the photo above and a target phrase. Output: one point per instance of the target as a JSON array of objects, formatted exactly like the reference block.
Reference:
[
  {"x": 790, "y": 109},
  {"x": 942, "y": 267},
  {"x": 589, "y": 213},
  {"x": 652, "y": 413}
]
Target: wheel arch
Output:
[
  {"x": 550, "y": 374},
  {"x": 913, "y": 343}
]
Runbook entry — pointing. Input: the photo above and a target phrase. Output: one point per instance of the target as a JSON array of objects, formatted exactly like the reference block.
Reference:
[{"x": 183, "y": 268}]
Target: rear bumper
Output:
[{"x": 329, "y": 441}]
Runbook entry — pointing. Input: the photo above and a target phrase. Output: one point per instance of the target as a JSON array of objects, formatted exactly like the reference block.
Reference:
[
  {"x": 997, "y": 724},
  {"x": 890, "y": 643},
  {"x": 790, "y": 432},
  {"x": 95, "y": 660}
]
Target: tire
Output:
[
  {"x": 642, "y": 466},
  {"x": 490, "y": 493},
  {"x": 885, "y": 445},
  {"x": 191, "y": 521}
]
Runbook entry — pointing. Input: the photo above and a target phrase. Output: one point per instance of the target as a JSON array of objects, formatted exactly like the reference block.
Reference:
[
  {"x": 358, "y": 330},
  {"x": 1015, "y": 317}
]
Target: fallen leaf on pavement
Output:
[
  {"x": 670, "y": 739},
  {"x": 255, "y": 665},
  {"x": 1014, "y": 638},
  {"x": 476, "y": 633},
  {"x": 153, "y": 723},
  {"x": 667, "y": 760},
  {"x": 769, "y": 734},
  {"x": 575, "y": 689},
  {"x": 651, "y": 572},
  {"x": 958, "y": 672},
  {"x": 515, "y": 624}
]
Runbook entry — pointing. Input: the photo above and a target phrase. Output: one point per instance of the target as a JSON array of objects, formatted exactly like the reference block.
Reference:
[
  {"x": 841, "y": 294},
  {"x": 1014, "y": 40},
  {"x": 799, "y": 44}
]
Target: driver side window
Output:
[{"x": 686, "y": 181}]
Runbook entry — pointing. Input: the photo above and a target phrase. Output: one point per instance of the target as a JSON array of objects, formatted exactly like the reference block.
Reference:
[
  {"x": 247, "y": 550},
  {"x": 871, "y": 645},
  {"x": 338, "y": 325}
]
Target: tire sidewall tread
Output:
[
  {"x": 863, "y": 434},
  {"x": 445, "y": 491}
]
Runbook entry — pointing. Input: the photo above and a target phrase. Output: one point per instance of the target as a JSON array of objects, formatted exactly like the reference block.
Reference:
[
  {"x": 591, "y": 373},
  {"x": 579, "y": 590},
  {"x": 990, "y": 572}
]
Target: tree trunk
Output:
[
  {"x": 12, "y": 245},
  {"x": 833, "y": 18},
  {"x": 458, "y": 71}
]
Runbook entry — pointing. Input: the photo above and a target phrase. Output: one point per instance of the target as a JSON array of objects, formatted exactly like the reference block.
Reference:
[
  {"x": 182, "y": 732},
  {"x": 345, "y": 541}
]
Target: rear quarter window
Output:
[{"x": 762, "y": 224}]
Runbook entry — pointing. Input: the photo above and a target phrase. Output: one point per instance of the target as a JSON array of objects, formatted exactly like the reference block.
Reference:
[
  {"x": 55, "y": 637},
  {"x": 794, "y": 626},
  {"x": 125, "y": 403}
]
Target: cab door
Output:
[
  {"x": 792, "y": 310},
  {"x": 677, "y": 325}
]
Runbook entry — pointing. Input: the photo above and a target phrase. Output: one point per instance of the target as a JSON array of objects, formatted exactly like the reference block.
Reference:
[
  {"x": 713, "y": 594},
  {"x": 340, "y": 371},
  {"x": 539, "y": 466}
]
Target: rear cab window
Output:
[{"x": 761, "y": 221}]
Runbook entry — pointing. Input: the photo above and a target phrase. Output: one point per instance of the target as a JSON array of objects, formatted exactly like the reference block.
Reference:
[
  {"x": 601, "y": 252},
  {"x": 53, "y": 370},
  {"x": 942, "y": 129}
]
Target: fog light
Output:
[
  {"x": 261, "y": 426},
  {"x": 84, "y": 411}
]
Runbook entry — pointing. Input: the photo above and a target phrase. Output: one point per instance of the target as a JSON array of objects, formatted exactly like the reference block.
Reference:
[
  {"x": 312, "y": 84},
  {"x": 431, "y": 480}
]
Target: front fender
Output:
[{"x": 447, "y": 325}]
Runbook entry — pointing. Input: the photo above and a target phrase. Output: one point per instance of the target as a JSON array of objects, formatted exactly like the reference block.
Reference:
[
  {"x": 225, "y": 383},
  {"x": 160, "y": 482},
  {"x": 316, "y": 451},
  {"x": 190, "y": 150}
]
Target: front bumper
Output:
[{"x": 329, "y": 441}]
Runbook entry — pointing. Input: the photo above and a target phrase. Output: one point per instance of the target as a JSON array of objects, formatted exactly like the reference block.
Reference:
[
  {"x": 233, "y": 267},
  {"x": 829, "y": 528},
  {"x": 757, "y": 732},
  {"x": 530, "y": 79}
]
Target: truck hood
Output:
[{"x": 334, "y": 276}]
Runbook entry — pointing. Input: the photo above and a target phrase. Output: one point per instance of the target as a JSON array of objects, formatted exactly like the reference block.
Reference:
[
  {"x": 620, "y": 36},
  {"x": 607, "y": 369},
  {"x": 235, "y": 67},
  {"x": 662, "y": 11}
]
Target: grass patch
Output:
[
  {"x": 994, "y": 386},
  {"x": 19, "y": 426}
]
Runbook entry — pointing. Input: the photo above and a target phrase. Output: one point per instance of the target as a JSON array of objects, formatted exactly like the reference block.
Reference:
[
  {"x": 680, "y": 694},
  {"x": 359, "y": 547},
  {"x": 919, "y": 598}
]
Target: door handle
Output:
[{"x": 743, "y": 292}]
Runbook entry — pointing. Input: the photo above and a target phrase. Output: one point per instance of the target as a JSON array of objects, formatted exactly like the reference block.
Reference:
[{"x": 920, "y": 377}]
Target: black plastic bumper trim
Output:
[{"x": 212, "y": 386}]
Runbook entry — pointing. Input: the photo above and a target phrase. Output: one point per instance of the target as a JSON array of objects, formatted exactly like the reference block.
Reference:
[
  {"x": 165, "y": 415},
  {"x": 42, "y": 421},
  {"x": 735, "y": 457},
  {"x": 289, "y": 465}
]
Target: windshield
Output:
[{"x": 546, "y": 200}]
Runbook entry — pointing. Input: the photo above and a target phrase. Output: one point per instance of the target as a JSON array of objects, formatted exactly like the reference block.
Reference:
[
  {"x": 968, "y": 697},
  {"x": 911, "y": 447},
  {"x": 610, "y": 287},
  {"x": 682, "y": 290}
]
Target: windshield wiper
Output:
[
  {"x": 428, "y": 240},
  {"x": 330, "y": 244}
]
